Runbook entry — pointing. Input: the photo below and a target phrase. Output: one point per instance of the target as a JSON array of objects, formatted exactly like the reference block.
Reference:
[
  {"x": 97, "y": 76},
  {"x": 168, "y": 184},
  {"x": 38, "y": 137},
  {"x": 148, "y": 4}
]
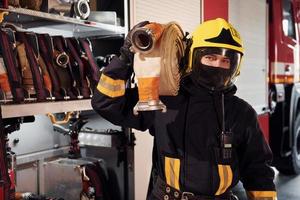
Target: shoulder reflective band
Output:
[
  {"x": 262, "y": 195},
  {"x": 225, "y": 174},
  {"x": 111, "y": 87},
  {"x": 172, "y": 168}
]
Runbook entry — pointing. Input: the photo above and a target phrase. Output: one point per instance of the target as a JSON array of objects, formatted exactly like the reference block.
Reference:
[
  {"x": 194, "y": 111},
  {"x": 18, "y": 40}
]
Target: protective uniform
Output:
[{"x": 191, "y": 158}]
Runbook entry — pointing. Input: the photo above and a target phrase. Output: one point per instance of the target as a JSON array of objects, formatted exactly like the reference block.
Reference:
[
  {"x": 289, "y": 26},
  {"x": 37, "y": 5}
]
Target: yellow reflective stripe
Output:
[
  {"x": 172, "y": 168},
  {"x": 225, "y": 174},
  {"x": 111, "y": 87},
  {"x": 262, "y": 195},
  {"x": 282, "y": 79}
]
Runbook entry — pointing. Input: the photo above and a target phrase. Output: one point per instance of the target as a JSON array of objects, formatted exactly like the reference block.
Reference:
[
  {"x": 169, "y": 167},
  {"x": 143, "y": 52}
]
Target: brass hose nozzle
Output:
[
  {"x": 61, "y": 58},
  {"x": 144, "y": 38}
]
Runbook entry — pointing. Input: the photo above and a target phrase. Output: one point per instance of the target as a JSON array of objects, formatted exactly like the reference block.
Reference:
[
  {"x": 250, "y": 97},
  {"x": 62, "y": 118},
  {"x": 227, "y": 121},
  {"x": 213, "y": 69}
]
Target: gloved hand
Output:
[{"x": 126, "y": 55}]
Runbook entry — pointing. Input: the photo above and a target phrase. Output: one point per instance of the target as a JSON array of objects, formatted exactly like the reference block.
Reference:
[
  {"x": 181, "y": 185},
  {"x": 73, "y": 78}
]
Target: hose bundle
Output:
[
  {"x": 159, "y": 49},
  {"x": 171, "y": 52}
]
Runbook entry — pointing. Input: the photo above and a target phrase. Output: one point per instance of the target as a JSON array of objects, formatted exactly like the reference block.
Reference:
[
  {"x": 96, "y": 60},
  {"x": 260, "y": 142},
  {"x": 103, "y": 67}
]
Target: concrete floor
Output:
[{"x": 288, "y": 188}]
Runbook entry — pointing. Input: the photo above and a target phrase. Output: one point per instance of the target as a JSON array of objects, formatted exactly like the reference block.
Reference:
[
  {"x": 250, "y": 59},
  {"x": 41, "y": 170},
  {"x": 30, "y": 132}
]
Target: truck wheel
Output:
[
  {"x": 291, "y": 165},
  {"x": 296, "y": 146}
]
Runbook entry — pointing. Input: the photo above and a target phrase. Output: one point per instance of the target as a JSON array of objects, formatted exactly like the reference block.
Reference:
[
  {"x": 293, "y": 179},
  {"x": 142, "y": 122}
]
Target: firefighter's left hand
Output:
[{"x": 126, "y": 54}]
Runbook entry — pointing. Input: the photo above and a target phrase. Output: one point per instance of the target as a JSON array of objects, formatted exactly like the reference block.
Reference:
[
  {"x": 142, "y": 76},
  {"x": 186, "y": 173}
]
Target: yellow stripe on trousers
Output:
[
  {"x": 262, "y": 195},
  {"x": 225, "y": 174},
  {"x": 172, "y": 168}
]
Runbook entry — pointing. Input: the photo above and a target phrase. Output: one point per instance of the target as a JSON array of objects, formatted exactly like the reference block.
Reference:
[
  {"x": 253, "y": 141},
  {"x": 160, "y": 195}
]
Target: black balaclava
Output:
[{"x": 210, "y": 77}]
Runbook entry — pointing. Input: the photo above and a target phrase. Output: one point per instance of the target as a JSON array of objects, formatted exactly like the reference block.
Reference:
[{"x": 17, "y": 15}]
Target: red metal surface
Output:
[
  {"x": 281, "y": 47},
  {"x": 215, "y": 9},
  {"x": 263, "y": 121},
  {"x": 2, "y": 191},
  {"x": 5, "y": 3},
  {"x": 5, "y": 187},
  {"x": 12, "y": 177}
]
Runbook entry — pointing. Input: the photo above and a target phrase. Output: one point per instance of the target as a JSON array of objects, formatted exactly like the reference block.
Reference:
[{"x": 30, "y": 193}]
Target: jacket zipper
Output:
[{"x": 185, "y": 168}]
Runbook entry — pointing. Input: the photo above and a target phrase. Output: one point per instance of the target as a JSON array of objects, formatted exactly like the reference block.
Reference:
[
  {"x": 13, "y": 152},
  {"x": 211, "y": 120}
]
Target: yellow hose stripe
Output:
[
  {"x": 262, "y": 195},
  {"x": 111, "y": 87},
  {"x": 225, "y": 174},
  {"x": 172, "y": 168}
]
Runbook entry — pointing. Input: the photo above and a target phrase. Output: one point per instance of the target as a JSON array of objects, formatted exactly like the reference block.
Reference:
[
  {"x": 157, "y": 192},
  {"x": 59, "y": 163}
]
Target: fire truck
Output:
[
  {"x": 271, "y": 74},
  {"x": 283, "y": 85}
]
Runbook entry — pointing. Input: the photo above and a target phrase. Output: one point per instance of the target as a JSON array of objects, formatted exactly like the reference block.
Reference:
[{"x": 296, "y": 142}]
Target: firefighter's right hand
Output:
[{"x": 126, "y": 54}]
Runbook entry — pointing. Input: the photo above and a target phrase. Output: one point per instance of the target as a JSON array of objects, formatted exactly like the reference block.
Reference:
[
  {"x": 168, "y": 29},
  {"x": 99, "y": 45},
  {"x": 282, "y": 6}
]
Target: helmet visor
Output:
[{"x": 226, "y": 59}]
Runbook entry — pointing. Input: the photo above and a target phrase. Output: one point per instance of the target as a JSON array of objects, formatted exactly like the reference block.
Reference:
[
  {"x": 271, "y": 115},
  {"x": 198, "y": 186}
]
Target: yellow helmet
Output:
[{"x": 215, "y": 33}]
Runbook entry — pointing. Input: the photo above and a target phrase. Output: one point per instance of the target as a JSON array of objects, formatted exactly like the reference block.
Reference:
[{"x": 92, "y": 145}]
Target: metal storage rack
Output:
[
  {"x": 41, "y": 22},
  {"x": 20, "y": 110}
]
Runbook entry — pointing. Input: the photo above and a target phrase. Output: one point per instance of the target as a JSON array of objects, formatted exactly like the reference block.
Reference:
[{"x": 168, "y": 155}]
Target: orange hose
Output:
[
  {"x": 148, "y": 88},
  {"x": 47, "y": 82},
  {"x": 156, "y": 29},
  {"x": 4, "y": 84}
]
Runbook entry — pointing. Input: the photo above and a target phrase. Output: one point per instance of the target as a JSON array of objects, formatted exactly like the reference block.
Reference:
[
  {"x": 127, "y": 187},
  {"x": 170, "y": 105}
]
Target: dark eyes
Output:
[{"x": 214, "y": 58}]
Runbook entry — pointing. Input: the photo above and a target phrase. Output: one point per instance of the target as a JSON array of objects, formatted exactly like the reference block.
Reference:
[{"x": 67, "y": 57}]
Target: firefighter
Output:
[{"x": 208, "y": 139}]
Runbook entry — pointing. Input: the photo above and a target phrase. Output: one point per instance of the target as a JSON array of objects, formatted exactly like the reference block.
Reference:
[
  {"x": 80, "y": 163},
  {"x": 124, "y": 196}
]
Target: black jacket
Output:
[{"x": 187, "y": 137}]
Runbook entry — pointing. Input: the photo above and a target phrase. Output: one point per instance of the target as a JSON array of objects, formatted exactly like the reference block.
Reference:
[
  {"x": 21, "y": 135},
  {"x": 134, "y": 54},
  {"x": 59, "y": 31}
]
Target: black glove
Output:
[{"x": 126, "y": 55}]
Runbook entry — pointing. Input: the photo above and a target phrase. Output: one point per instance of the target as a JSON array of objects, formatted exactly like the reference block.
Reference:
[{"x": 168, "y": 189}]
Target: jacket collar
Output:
[{"x": 188, "y": 87}]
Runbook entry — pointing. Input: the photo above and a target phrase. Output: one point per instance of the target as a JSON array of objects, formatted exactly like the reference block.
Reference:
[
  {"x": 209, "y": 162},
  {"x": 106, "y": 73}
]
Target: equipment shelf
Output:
[
  {"x": 42, "y": 22},
  {"x": 27, "y": 109}
]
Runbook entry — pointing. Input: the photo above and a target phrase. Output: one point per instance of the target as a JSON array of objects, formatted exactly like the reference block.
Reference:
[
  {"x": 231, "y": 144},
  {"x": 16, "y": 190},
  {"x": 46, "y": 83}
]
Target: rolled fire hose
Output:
[
  {"x": 171, "y": 51},
  {"x": 159, "y": 49}
]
